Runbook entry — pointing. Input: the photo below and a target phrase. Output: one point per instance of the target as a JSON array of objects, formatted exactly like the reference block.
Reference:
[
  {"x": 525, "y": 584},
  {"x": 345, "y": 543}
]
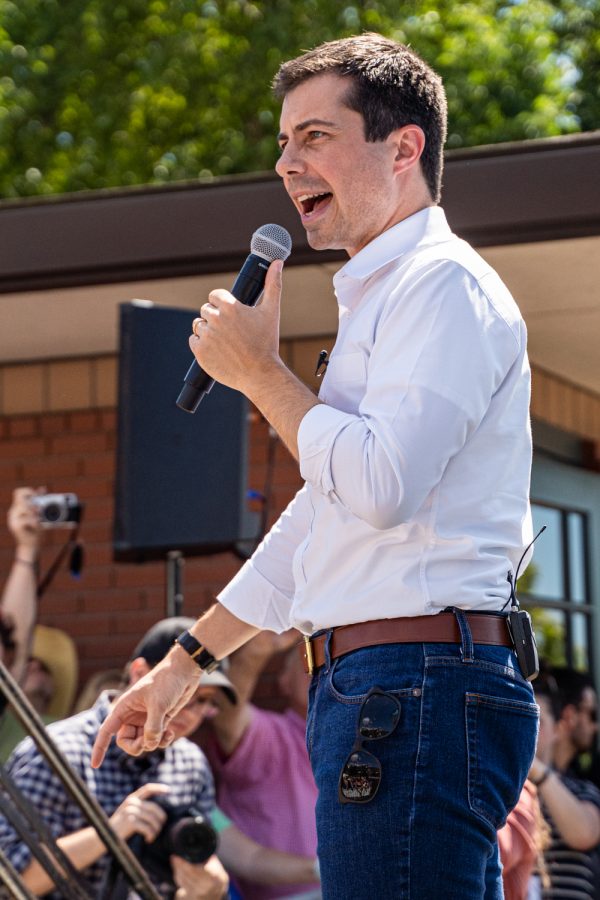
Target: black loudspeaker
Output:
[{"x": 181, "y": 479}]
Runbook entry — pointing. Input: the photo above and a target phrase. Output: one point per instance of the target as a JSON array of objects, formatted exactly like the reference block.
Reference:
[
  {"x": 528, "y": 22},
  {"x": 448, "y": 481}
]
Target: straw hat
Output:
[{"x": 57, "y": 650}]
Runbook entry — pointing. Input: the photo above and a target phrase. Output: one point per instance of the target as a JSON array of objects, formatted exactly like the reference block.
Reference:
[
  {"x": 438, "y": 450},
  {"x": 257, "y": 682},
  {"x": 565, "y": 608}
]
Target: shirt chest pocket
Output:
[
  {"x": 347, "y": 368},
  {"x": 344, "y": 382}
]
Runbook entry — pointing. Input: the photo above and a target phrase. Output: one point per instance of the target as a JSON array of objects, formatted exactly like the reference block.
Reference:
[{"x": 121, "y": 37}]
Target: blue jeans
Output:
[{"x": 451, "y": 771}]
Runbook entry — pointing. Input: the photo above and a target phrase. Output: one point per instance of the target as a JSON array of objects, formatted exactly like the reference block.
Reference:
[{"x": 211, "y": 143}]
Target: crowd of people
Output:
[
  {"x": 275, "y": 861},
  {"x": 255, "y": 783}
]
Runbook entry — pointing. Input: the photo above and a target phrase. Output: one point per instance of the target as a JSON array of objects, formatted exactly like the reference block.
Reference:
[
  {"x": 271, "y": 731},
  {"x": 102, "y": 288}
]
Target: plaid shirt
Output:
[{"x": 182, "y": 766}]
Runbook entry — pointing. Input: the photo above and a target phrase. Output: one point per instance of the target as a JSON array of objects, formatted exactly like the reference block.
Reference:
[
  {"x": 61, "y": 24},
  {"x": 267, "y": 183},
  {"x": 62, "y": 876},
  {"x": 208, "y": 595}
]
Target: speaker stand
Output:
[{"x": 174, "y": 594}]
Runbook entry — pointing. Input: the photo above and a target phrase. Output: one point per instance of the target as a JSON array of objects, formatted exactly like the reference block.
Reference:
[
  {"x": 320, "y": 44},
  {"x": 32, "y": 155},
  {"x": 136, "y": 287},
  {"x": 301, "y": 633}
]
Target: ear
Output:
[
  {"x": 408, "y": 144},
  {"x": 138, "y": 667},
  {"x": 569, "y": 715}
]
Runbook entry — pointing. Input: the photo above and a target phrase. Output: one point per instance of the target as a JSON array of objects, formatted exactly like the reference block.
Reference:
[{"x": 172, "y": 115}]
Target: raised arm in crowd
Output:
[{"x": 18, "y": 607}]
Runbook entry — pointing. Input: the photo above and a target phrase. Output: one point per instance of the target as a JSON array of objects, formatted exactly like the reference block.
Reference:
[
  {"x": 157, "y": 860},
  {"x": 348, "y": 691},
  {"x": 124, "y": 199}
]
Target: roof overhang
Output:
[
  {"x": 496, "y": 195},
  {"x": 533, "y": 209}
]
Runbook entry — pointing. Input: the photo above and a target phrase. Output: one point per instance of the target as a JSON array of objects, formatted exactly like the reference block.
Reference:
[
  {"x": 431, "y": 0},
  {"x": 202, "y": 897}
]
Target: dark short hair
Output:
[
  {"x": 391, "y": 87},
  {"x": 571, "y": 685},
  {"x": 545, "y": 686}
]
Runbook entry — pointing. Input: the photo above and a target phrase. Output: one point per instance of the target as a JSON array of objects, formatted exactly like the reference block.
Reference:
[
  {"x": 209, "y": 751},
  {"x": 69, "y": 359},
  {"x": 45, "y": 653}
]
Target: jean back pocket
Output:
[{"x": 501, "y": 739}]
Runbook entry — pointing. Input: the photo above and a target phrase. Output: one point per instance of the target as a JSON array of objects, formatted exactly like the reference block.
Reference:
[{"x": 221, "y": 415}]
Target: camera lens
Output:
[
  {"x": 193, "y": 839},
  {"x": 53, "y": 512}
]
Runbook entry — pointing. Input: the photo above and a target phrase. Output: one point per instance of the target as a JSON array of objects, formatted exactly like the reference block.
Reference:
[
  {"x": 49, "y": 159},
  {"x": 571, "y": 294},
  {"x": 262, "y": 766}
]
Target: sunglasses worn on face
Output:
[{"x": 360, "y": 778}]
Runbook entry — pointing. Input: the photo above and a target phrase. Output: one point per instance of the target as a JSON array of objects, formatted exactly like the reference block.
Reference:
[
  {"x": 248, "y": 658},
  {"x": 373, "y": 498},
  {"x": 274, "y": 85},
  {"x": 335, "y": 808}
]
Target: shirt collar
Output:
[{"x": 428, "y": 226}]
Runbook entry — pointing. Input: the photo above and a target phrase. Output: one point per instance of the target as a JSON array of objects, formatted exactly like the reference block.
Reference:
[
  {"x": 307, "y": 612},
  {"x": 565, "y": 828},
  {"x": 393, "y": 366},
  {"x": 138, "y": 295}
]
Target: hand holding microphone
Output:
[{"x": 269, "y": 243}]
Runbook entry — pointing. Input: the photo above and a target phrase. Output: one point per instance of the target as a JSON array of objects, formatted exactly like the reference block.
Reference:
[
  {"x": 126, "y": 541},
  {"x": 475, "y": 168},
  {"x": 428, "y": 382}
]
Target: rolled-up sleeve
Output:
[
  {"x": 415, "y": 415},
  {"x": 263, "y": 590}
]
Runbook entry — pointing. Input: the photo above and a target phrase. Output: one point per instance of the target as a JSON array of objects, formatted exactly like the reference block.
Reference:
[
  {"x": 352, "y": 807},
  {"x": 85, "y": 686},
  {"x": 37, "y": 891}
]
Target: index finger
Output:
[
  {"x": 23, "y": 493},
  {"x": 151, "y": 789},
  {"x": 109, "y": 727},
  {"x": 220, "y": 295}
]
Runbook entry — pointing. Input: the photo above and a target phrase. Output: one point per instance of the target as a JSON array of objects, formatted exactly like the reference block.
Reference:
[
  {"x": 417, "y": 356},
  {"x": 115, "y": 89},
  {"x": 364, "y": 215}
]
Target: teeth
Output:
[{"x": 310, "y": 196}]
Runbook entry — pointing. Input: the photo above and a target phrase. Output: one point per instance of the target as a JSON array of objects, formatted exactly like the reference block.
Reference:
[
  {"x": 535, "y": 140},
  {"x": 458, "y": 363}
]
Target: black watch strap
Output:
[{"x": 199, "y": 654}]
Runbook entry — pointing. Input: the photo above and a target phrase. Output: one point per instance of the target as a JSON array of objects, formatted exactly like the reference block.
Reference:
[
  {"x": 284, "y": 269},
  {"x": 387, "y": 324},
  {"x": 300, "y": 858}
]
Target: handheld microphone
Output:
[{"x": 269, "y": 242}]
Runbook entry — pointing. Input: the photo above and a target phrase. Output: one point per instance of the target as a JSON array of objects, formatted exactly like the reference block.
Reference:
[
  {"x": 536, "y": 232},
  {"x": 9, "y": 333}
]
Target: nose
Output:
[{"x": 290, "y": 162}]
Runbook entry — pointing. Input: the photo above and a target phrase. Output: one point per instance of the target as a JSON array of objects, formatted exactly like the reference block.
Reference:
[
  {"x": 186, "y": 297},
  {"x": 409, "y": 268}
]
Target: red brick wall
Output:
[{"x": 112, "y": 604}]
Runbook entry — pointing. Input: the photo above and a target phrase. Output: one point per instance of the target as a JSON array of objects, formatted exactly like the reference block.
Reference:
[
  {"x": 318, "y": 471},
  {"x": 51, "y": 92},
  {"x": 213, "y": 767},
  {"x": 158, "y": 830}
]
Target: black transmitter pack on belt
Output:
[
  {"x": 523, "y": 638},
  {"x": 520, "y": 626}
]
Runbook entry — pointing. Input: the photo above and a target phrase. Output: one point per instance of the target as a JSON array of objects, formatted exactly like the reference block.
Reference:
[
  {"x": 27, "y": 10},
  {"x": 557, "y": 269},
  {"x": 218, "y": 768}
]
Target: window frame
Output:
[{"x": 567, "y": 604}]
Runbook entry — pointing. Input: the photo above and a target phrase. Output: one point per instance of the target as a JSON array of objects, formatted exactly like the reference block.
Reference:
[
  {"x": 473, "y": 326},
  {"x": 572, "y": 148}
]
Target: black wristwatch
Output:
[{"x": 199, "y": 654}]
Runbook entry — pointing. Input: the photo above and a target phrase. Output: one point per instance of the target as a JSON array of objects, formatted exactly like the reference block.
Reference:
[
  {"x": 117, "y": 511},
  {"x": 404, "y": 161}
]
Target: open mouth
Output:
[{"x": 311, "y": 202}]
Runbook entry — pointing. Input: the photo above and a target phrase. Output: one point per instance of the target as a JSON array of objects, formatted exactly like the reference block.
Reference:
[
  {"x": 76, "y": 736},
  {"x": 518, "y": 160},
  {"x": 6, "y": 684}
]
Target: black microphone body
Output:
[{"x": 247, "y": 288}]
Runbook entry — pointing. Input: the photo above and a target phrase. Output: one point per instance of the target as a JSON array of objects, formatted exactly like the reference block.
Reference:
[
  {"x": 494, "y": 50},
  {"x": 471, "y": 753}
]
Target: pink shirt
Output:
[
  {"x": 267, "y": 788},
  {"x": 519, "y": 843}
]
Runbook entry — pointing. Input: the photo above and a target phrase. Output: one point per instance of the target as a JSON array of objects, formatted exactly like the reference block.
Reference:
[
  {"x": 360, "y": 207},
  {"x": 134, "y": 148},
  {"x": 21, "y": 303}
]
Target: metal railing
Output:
[{"x": 15, "y": 807}]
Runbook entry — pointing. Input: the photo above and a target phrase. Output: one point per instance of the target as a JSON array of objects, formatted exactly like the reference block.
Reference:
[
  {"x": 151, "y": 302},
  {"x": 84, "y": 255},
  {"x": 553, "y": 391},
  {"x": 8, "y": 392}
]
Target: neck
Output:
[{"x": 413, "y": 199}]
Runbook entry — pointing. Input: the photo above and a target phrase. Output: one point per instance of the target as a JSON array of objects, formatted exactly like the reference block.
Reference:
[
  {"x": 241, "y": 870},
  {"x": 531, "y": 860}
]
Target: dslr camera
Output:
[
  {"x": 186, "y": 833},
  {"x": 58, "y": 510}
]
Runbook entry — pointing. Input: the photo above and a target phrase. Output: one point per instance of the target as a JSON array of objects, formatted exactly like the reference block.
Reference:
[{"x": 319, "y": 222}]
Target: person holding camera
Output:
[
  {"x": 143, "y": 797},
  {"x": 124, "y": 790},
  {"x": 18, "y": 606}
]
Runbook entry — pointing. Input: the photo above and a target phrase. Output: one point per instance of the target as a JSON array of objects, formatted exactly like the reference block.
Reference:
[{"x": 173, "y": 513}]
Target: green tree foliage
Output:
[
  {"x": 550, "y": 636},
  {"x": 102, "y": 93},
  {"x": 577, "y": 24}
]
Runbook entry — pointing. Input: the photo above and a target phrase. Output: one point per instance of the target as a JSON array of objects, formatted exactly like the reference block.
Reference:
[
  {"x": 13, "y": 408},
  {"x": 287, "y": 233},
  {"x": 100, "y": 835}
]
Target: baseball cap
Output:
[{"x": 157, "y": 642}]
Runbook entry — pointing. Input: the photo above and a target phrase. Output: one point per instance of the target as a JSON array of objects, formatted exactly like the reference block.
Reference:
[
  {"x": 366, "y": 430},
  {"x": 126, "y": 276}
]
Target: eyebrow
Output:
[{"x": 302, "y": 126}]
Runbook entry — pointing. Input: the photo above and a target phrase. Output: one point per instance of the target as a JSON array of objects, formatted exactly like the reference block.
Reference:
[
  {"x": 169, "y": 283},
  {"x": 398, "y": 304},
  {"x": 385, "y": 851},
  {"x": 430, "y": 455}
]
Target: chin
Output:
[
  {"x": 314, "y": 240},
  {"x": 322, "y": 241}
]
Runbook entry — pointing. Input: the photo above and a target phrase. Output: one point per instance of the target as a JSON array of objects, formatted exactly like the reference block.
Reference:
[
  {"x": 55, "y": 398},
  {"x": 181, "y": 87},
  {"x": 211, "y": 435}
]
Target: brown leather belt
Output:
[{"x": 437, "y": 629}]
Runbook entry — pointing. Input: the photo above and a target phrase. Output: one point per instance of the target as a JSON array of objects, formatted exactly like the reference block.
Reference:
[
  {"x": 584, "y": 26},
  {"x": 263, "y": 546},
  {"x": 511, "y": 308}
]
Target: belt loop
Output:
[
  {"x": 327, "y": 649},
  {"x": 466, "y": 638}
]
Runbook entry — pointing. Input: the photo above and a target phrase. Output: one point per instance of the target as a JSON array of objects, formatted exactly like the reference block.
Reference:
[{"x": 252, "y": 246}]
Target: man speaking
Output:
[{"x": 393, "y": 557}]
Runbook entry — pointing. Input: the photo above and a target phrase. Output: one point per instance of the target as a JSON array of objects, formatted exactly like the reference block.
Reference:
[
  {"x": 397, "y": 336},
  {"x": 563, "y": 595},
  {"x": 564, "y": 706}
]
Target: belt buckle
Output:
[{"x": 308, "y": 655}]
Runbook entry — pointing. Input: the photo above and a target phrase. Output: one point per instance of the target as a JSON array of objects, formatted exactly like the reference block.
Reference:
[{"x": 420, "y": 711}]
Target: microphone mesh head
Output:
[{"x": 271, "y": 242}]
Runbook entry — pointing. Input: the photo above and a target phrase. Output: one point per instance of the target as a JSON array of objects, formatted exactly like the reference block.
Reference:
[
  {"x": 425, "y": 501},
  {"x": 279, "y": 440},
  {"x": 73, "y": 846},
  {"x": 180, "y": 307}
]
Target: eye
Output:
[{"x": 315, "y": 135}]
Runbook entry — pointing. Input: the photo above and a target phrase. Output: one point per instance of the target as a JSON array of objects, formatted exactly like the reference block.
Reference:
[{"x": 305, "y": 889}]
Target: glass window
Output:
[
  {"x": 550, "y": 634},
  {"x": 555, "y": 589},
  {"x": 575, "y": 525},
  {"x": 547, "y": 568},
  {"x": 579, "y": 638}
]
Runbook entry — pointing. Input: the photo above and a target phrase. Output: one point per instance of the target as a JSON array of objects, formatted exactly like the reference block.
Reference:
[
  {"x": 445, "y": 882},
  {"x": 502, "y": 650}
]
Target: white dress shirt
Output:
[{"x": 417, "y": 462}]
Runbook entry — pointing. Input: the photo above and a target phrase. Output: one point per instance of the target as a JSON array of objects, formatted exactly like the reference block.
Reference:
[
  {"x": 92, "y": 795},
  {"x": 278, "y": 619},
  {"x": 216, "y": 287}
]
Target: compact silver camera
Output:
[{"x": 58, "y": 510}]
